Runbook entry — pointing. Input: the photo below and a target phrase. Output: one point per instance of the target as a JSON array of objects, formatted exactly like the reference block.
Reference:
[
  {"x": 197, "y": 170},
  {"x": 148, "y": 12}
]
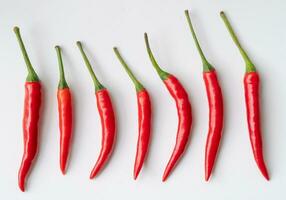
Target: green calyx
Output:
[
  {"x": 249, "y": 65},
  {"x": 62, "y": 83},
  {"x": 98, "y": 86},
  {"x": 32, "y": 75},
  {"x": 207, "y": 67},
  {"x": 137, "y": 84},
  {"x": 163, "y": 75}
]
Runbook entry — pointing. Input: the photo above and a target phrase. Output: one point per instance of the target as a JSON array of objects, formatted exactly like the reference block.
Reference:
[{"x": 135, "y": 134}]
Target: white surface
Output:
[{"x": 103, "y": 24}]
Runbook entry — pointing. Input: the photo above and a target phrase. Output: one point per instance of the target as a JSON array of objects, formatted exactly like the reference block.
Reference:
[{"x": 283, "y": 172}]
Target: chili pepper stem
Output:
[
  {"x": 137, "y": 84},
  {"x": 163, "y": 75},
  {"x": 62, "y": 83},
  {"x": 32, "y": 75},
  {"x": 98, "y": 86},
  {"x": 207, "y": 67},
  {"x": 249, "y": 65}
]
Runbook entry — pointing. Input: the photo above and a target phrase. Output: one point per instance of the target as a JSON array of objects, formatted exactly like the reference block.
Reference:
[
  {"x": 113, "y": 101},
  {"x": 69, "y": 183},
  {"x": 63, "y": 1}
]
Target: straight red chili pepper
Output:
[
  {"x": 144, "y": 117},
  {"x": 107, "y": 117},
  {"x": 215, "y": 102},
  {"x": 65, "y": 114},
  {"x": 252, "y": 101},
  {"x": 184, "y": 110},
  {"x": 32, "y": 106}
]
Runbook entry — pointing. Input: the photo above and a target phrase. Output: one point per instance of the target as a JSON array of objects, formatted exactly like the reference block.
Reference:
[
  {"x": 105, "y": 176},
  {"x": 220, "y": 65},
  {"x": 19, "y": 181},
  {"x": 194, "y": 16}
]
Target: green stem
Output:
[
  {"x": 62, "y": 83},
  {"x": 137, "y": 84},
  {"x": 97, "y": 84},
  {"x": 163, "y": 75},
  {"x": 207, "y": 67},
  {"x": 32, "y": 75},
  {"x": 249, "y": 65}
]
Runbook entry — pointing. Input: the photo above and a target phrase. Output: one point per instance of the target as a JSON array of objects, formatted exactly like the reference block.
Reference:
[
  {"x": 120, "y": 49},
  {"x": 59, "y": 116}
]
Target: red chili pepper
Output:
[
  {"x": 184, "y": 110},
  {"x": 107, "y": 117},
  {"x": 215, "y": 101},
  {"x": 65, "y": 114},
  {"x": 144, "y": 117},
  {"x": 32, "y": 106},
  {"x": 252, "y": 100}
]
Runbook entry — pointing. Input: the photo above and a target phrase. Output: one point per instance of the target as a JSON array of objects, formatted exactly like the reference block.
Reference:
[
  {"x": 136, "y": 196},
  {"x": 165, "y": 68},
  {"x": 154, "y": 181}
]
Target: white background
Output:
[{"x": 102, "y": 24}]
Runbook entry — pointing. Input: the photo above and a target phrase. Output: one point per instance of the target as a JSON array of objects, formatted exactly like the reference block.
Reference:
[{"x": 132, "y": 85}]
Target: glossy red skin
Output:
[
  {"x": 65, "y": 124},
  {"x": 184, "y": 110},
  {"x": 215, "y": 101},
  {"x": 251, "y": 89},
  {"x": 144, "y": 123},
  {"x": 107, "y": 117},
  {"x": 32, "y": 106}
]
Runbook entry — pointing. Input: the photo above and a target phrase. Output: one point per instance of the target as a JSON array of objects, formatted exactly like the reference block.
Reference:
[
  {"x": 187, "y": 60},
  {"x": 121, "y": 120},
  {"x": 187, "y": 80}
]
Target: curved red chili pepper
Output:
[
  {"x": 65, "y": 124},
  {"x": 144, "y": 118},
  {"x": 215, "y": 120},
  {"x": 65, "y": 115},
  {"x": 144, "y": 123},
  {"x": 251, "y": 91},
  {"x": 30, "y": 128},
  {"x": 215, "y": 102},
  {"x": 251, "y": 88},
  {"x": 107, "y": 117},
  {"x": 32, "y": 106},
  {"x": 184, "y": 110},
  {"x": 185, "y": 121}
]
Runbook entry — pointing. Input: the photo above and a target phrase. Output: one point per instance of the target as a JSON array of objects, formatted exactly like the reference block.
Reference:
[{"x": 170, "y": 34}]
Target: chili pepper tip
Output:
[
  {"x": 63, "y": 170},
  {"x": 265, "y": 174},
  {"x": 221, "y": 13},
  {"x": 207, "y": 176},
  {"x": 267, "y": 177},
  {"x": 22, "y": 189},
  {"x": 166, "y": 174},
  {"x": 136, "y": 173},
  {"x": 57, "y": 47},
  {"x": 22, "y": 185}
]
